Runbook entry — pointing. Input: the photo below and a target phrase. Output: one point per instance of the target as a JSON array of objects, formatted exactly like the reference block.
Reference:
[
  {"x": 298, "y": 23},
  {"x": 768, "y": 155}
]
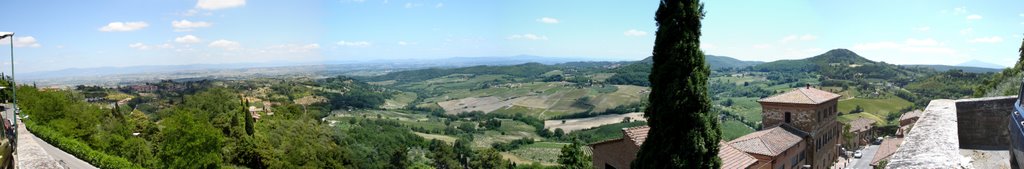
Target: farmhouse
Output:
[{"x": 784, "y": 142}]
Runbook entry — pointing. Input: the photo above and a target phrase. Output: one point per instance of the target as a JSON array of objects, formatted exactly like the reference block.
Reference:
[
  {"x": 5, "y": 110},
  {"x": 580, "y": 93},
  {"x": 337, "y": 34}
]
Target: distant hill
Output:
[
  {"x": 715, "y": 62},
  {"x": 720, "y": 62},
  {"x": 980, "y": 64},
  {"x": 832, "y": 58},
  {"x": 346, "y": 65},
  {"x": 943, "y": 68},
  {"x": 839, "y": 56},
  {"x": 636, "y": 73}
]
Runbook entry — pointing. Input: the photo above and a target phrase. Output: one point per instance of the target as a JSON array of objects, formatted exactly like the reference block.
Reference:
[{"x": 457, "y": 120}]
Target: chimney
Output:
[{"x": 808, "y": 86}]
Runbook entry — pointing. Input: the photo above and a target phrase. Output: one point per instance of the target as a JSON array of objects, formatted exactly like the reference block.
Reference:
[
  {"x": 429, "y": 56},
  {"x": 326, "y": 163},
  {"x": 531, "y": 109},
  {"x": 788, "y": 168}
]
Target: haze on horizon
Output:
[{"x": 73, "y": 34}]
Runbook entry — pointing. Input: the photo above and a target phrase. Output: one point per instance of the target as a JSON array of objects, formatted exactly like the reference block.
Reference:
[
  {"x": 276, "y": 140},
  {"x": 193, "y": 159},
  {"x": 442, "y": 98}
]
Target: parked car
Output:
[
  {"x": 857, "y": 154},
  {"x": 1016, "y": 129}
]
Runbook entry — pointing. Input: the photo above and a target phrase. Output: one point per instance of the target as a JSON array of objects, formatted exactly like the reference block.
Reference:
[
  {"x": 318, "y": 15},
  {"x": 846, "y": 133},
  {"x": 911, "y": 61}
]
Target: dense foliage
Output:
[{"x": 684, "y": 130}]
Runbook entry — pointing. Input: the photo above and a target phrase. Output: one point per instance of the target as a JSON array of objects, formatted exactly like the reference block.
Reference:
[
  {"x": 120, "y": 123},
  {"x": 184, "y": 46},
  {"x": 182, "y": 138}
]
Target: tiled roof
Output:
[
  {"x": 887, "y": 148},
  {"x": 803, "y": 95},
  {"x": 911, "y": 114},
  {"x": 636, "y": 134},
  {"x": 733, "y": 158},
  {"x": 861, "y": 124},
  {"x": 769, "y": 142}
]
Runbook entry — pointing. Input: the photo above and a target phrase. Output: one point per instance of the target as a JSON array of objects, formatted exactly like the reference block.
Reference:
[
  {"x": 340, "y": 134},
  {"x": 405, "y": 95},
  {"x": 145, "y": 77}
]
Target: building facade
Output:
[
  {"x": 810, "y": 110},
  {"x": 619, "y": 153},
  {"x": 779, "y": 147}
]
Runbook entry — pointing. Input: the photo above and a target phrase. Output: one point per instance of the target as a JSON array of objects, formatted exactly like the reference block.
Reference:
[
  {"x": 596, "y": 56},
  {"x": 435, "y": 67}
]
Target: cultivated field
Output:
[{"x": 571, "y": 125}]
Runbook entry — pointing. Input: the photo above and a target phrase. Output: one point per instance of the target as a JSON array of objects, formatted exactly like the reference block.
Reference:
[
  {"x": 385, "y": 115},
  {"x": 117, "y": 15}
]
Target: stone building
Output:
[
  {"x": 777, "y": 147},
  {"x": 619, "y": 153},
  {"x": 810, "y": 110},
  {"x": 863, "y": 130},
  {"x": 780, "y": 147}
]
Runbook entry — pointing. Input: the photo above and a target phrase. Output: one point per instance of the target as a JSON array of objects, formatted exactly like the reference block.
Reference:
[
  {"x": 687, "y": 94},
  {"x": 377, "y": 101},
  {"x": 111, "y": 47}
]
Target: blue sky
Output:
[{"x": 53, "y": 35}]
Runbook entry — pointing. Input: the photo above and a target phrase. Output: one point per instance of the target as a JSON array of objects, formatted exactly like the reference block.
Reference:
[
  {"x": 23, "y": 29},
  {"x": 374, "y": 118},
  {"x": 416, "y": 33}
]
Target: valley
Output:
[{"x": 525, "y": 112}]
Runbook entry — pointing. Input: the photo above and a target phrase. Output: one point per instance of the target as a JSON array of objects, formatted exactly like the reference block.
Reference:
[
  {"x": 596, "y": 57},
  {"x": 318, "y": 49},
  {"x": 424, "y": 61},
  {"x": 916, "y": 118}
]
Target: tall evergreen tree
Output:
[
  {"x": 684, "y": 130},
  {"x": 249, "y": 120}
]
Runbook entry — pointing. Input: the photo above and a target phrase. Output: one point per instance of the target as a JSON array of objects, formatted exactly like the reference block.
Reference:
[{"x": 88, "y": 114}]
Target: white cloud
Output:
[
  {"x": 219, "y": 4},
  {"x": 973, "y": 17},
  {"x": 23, "y": 41},
  {"x": 354, "y": 44},
  {"x": 123, "y": 26},
  {"x": 139, "y": 46},
  {"x": 439, "y": 5},
  {"x": 165, "y": 46},
  {"x": 188, "y": 39},
  {"x": 528, "y": 36},
  {"x": 412, "y": 5},
  {"x": 805, "y": 37},
  {"x": 226, "y": 44},
  {"x": 634, "y": 32},
  {"x": 993, "y": 39},
  {"x": 967, "y": 31},
  {"x": 959, "y": 10},
  {"x": 547, "y": 20},
  {"x": 921, "y": 42},
  {"x": 923, "y": 29},
  {"x": 186, "y": 25},
  {"x": 403, "y": 43}
]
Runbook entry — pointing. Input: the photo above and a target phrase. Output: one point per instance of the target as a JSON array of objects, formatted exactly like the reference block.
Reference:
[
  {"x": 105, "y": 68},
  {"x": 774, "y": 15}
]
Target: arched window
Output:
[{"x": 788, "y": 118}]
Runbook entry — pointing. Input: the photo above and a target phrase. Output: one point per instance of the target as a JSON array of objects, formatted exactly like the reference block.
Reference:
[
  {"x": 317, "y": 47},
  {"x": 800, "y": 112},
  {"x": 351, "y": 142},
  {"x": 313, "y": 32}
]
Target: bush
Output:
[{"x": 79, "y": 149}]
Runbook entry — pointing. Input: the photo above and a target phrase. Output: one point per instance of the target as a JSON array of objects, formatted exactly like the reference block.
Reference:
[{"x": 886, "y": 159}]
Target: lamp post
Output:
[{"x": 14, "y": 92}]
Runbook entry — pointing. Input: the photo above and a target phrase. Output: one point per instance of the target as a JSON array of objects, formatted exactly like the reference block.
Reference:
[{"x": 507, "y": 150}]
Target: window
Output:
[{"x": 788, "y": 120}]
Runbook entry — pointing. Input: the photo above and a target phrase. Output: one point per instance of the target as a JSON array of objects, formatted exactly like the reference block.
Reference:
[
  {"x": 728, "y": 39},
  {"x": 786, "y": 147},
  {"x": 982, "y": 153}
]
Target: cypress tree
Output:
[
  {"x": 249, "y": 120},
  {"x": 684, "y": 130}
]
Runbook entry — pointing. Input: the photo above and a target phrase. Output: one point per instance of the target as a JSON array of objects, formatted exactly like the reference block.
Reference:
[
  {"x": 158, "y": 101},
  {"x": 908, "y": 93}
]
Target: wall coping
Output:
[{"x": 933, "y": 143}]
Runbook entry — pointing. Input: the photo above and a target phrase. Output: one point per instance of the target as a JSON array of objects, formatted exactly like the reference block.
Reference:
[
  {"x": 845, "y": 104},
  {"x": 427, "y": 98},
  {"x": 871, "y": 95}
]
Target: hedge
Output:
[{"x": 79, "y": 149}]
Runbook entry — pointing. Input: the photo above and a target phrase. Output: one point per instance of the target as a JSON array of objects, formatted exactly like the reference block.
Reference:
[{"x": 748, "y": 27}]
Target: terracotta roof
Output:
[
  {"x": 887, "y": 148},
  {"x": 803, "y": 95},
  {"x": 861, "y": 124},
  {"x": 911, "y": 114},
  {"x": 733, "y": 158},
  {"x": 769, "y": 142},
  {"x": 636, "y": 134}
]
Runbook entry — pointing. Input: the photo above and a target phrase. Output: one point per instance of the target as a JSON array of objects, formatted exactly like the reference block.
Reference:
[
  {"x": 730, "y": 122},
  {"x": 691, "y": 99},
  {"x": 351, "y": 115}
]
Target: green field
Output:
[
  {"x": 877, "y": 107},
  {"x": 399, "y": 100},
  {"x": 738, "y": 80},
  {"x": 605, "y": 132},
  {"x": 732, "y": 129},
  {"x": 746, "y": 107},
  {"x": 544, "y": 152},
  {"x": 846, "y": 118}
]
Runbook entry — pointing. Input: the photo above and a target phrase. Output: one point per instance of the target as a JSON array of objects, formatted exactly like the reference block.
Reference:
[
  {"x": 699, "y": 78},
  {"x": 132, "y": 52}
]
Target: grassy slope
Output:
[
  {"x": 732, "y": 129},
  {"x": 877, "y": 107}
]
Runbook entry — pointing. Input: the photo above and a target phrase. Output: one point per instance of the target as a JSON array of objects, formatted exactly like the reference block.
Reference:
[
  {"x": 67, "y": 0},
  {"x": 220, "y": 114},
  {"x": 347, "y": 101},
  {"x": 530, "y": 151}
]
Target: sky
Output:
[{"x": 55, "y": 35}]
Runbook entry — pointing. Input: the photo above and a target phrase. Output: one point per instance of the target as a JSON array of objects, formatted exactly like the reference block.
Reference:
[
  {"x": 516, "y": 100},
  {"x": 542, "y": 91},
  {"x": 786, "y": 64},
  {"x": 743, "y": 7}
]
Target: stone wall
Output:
[
  {"x": 982, "y": 122},
  {"x": 933, "y": 142},
  {"x": 618, "y": 154}
]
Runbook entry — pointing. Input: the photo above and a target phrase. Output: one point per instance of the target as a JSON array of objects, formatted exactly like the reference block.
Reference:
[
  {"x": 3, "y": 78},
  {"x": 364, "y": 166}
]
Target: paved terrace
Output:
[
  {"x": 967, "y": 133},
  {"x": 34, "y": 153}
]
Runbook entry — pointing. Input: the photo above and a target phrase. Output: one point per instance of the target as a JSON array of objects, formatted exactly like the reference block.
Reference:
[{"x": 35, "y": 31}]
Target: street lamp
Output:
[{"x": 14, "y": 92}]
